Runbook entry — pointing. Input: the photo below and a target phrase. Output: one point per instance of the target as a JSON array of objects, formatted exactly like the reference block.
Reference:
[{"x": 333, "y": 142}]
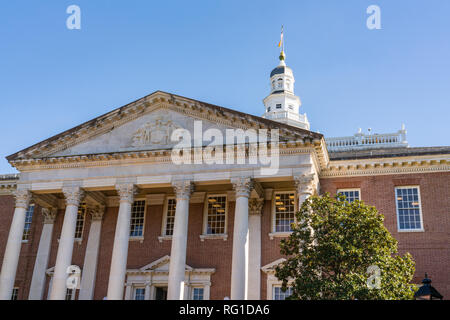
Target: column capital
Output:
[
  {"x": 183, "y": 189},
  {"x": 305, "y": 183},
  {"x": 23, "y": 197},
  {"x": 242, "y": 186},
  {"x": 255, "y": 206},
  {"x": 126, "y": 192},
  {"x": 49, "y": 215},
  {"x": 97, "y": 212},
  {"x": 73, "y": 195}
]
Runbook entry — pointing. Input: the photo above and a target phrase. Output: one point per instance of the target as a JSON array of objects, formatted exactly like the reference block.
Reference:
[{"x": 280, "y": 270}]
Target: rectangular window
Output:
[
  {"x": 28, "y": 219},
  {"x": 350, "y": 194},
  {"x": 197, "y": 293},
  {"x": 137, "y": 219},
  {"x": 139, "y": 294},
  {"x": 216, "y": 218},
  {"x": 80, "y": 221},
  {"x": 278, "y": 294},
  {"x": 284, "y": 211},
  {"x": 278, "y": 105},
  {"x": 409, "y": 215},
  {"x": 15, "y": 294},
  {"x": 170, "y": 216},
  {"x": 70, "y": 294}
]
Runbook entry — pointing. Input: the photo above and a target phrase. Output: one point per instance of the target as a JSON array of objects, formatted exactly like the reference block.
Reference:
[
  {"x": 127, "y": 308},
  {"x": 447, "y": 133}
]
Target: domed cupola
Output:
[{"x": 282, "y": 104}]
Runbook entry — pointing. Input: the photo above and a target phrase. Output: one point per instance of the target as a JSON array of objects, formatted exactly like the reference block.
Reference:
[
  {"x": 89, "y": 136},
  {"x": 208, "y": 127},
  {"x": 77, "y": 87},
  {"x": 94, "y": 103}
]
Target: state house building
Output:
[{"x": 107, "y": 197}]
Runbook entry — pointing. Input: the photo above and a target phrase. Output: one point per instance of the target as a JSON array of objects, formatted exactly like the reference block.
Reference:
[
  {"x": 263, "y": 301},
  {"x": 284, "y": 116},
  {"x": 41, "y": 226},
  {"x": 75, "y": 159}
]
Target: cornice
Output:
[
  {"x": 371, "y": 167},
  {"x": 154, "y": 156}
]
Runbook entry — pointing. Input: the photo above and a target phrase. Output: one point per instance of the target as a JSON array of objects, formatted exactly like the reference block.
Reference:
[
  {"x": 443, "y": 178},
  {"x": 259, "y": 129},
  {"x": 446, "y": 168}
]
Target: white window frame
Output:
[
  {"x": 141, "y": 237},
  {"x": 349, "y": 189},
  {"x": 421, "y": 229},
  {"x": 136, "y": 287},
  {"x": 272, "y": 280},
  {"x": 29, "y": 230},
  {"x": 206, "y": 235},
  {"x": 191, "y": 296},
  {"x": 273, "y": 232},
  {"x": 277, "y": 286},
  {"x": 80, "y": 238},
  {"x": 72, "y": 296},
  {"x": 164, "y": 236}
]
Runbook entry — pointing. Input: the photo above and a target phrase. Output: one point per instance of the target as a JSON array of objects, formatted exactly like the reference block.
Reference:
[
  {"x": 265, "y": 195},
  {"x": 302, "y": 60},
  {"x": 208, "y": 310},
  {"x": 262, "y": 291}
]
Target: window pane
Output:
[
  {"x": 170, "y": 220},
  {"x": 139, "y": 294},
  {"x": 408, "y": 208},
  {"x": 137, "y": 219},
  {"x": 80, "y": 221},
  {"x": 216, "y": 214},
  {"x": 69, "y": 294},
  {"x": 28, "y": 219},
  {"x": 197, "y": 294},
  {"x": 350, "y": 195},
  {"x": 284, "y": 211},
  {"x": 15, "y": 294},
  {"x": 278, "y": 294}
]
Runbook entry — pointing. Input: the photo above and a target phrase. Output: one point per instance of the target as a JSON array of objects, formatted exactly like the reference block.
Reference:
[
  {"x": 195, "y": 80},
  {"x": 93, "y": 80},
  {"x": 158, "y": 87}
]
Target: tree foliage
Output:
[{"x": 333, "y": 244}]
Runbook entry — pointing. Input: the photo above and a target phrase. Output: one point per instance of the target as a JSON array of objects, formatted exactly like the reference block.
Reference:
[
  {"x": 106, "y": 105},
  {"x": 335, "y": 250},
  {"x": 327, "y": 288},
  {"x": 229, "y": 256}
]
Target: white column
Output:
[
  {"x": 254, "y": 249},
  {"x": 73, "y": 197},
  {"x": 148, "y": 286},
  {"x": 206, "y": 291},
  {"x": 239, "y": 261},
  {"x": 305, "y": 186},
  {"x": 14, "y": 244},
  {"x": 88, "y": 277},
  {"x": 41, "y": 263},
  {"x": 121, "y": 238},
  {"x": 177, "y": 264}
]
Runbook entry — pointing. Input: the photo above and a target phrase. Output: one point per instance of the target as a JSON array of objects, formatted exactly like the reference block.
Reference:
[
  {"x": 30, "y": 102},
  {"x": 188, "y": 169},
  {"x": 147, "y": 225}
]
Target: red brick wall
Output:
[{"x": 430, "y": 249}]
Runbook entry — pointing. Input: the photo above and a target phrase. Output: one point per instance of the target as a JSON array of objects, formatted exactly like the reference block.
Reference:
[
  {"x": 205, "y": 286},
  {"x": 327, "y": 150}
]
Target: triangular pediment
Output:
[
  {"x": 147, "y": 124},
  {"x": 150, "y": 131},
  {"x": 270, "y": 268},
  {"x": 161, "y": 265}
]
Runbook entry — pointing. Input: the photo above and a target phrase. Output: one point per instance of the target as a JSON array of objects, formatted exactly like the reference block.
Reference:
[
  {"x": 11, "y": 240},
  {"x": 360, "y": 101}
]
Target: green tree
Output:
[{"x": 333, "y": 244}]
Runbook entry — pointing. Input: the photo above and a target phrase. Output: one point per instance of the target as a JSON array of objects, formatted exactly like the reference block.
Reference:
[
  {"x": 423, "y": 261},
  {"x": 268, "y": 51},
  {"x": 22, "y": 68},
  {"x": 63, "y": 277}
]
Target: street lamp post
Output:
[{"x": 427, "y": 292}]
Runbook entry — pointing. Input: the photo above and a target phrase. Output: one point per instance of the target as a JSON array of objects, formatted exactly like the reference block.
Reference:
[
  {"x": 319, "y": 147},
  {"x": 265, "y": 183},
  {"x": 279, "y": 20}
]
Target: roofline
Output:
[
  {"x": 392, "y": 155},
  {"x": 268, "y": 122}
]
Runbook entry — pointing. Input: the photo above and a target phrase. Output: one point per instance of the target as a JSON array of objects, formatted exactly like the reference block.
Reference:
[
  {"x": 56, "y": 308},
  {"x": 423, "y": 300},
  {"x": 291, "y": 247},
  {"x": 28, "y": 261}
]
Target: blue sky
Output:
[{"x": 221, "y": 52}]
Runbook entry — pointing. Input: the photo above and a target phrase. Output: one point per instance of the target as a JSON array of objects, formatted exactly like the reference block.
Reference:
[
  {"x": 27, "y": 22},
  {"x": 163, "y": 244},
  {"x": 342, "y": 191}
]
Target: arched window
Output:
[{"x": 280, "y": 83}]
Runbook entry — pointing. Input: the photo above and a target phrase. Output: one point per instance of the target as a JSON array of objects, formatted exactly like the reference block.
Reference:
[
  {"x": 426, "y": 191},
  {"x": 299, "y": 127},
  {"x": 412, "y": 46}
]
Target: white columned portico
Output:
[
  {"x": 121, "y": 238},
  {"x": 183, "y": 190},
  {"x": 14, "y": 244},
  {"x": 91, "y": 257},
  {"x": 41, "y": 263},
  {"x": 73, "y": 197},
  {"x": 253, "y": 288},
  {"x": 239, "y": 262}
]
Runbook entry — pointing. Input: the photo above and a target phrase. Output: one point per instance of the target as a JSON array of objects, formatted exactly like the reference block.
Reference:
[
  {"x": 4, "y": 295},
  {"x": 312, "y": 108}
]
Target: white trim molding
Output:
[
  {"x": 156, "y": 274},
  {"x": 272, "y": 280}
]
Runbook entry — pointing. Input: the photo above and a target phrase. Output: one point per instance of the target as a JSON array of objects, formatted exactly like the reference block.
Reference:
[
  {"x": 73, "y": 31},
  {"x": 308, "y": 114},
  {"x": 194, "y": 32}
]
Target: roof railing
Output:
[{"x": 361, "y": 141}]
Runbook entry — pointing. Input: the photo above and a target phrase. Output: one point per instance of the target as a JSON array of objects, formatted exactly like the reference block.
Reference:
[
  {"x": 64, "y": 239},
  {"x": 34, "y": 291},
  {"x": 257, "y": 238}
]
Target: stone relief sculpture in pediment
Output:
[{"x": 156, "y": 132}]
